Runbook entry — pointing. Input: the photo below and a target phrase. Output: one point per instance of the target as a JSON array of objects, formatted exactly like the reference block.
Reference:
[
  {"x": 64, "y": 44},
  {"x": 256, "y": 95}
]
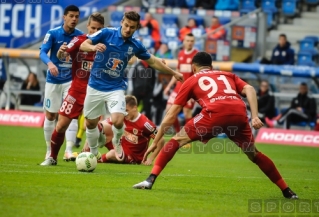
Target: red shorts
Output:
[
  {"x": 206, "y": 126},
  {"x": 72, "y": 105},
  {"x": 190, "y": 103}
]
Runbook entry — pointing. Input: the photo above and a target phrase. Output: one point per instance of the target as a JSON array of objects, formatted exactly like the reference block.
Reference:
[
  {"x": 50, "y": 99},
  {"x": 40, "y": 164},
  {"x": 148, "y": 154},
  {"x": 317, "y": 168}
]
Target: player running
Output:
[
  {"x": 185, "y": 57},
  {"x": 219, "y": 94},
  {"x": 72, "y": 105},
  {"x": 137, "y": 134},
  {"x": 108, "y": 82},
  {"x": 59, "y": 74}
]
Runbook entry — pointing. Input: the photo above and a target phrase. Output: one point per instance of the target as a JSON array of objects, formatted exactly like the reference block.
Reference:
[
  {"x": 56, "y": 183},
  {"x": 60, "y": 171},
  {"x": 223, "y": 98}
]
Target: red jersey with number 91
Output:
[
  {"x": 81, "y": 64},
  {"x": 217, "y": 92}
]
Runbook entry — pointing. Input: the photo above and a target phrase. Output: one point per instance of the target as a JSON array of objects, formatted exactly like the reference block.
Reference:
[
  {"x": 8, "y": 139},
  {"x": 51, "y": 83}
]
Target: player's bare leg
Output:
[
  {"x": 165, "y": 155},
  {"x": 118, "y": 129},
  {"x": 92, "y": 135},
  {"x": 109, "y": 157},
  {"x": 48, "y": 128}
]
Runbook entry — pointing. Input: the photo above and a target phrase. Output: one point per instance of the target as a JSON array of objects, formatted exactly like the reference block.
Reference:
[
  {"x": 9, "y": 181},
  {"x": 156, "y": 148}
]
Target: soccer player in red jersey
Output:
[
  {"x": 219, "y": 94},
  {"x": 137, "y": 134},
  {"x": 185, "y": 57},
  {"x": 72, "y": 105}
]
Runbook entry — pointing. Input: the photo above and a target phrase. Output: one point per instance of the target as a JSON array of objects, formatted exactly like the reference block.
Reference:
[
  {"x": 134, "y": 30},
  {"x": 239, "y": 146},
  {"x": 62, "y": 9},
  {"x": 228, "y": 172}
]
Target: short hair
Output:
[
  {"x": 190, "y": 34},
  {"x": 303, "y": 84},
  {"x": 132, "y": 15},
  {"x": 283, "y": 35},
  {"x": 202, "y": 59},
  {"x": 71, "y": 8},
  {"x": 98, "y": 17},
  {"x": 131, "y": 100},
  {"x": 214, "y": 17}
]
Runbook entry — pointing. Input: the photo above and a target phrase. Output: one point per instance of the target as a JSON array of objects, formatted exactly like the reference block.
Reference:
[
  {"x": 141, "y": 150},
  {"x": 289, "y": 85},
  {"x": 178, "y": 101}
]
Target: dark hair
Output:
[
  {"x": 266, "y": 81},
  {"x": 71, "y": 8},
  {"x": 131, "y": 100},
  {"x": 214, "y": 17},
  {"x": 190, "y": 34},
  {"x": 134, "y": 16},
  {"x": 303, "y": 84},
  {"x": 202, "y": 59},
  {"x": 283, "y": 35},
  {"x": 98, "y": 17}
]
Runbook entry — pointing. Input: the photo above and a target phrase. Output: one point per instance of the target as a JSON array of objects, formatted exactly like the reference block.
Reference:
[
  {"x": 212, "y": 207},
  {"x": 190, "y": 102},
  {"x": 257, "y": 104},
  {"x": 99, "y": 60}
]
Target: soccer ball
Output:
[{"x": 86, "y": 162}]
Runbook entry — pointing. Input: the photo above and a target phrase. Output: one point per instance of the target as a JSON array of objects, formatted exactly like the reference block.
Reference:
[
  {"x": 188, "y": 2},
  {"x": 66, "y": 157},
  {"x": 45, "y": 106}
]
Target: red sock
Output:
[
  {"x": 176, "y": 125},
  {"x": 57, "y": 140},
  {"x": 165, "y": 155},
  {"x": 103, "y": 159},
  {"x": 317, "y": 127},
  {"x": 270, "y": 170},
  {"x": 109, "y": 145}
]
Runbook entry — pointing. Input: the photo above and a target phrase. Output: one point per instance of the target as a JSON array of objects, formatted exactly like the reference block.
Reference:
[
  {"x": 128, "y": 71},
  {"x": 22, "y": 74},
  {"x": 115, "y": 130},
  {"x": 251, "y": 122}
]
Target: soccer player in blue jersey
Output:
[
  {"x": 107, "y": 83},
  {"x": 59, "y": 74}
]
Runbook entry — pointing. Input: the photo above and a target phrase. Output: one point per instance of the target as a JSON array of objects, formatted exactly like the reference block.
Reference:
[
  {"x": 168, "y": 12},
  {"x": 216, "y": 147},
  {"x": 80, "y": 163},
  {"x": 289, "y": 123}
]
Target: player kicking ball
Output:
[
  {"x": 137, "y": 134},
  {"x": 219, "y": 94},
  {"x": 72, "y": 105}
]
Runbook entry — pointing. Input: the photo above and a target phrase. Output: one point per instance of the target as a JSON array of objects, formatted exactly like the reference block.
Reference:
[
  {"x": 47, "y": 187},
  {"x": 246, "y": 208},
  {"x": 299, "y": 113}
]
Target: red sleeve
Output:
[
  {"x": 239, "y": 84},
  {"x": 74, "y": 45},
  {"x": 185, "y": 92},
  {"x": 149, "y": 129}
]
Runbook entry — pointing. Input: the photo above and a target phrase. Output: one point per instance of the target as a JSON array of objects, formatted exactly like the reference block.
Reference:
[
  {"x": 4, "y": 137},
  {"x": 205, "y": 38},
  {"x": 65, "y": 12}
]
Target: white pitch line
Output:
[{"x": 167, "y": 175}]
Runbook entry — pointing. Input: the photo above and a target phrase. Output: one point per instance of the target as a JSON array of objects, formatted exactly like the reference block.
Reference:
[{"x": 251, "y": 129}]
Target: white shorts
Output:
[
  {"x": 94, "y": 103},
  {"x": 54, "y": 95}
]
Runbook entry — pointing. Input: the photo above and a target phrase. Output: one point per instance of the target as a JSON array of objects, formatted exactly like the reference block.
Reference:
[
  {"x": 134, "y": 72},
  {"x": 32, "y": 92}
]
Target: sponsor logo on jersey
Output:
[
  {"x": 46, "y": 38},
  {"x": 131, "y": 137},
  {"x": 86, "y": 65},
  {"x": 149, "y": 126}
]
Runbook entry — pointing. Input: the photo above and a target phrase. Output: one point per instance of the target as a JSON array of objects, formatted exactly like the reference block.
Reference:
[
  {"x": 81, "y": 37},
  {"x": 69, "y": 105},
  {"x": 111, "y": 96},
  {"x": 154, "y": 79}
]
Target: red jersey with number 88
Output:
[
  {"x": 81, "y": 64},
  {"x": 217, "y": 92}
]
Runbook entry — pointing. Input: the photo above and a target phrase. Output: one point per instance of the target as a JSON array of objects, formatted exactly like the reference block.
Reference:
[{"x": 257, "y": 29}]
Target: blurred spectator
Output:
[
  {"x": 152, "y": 3},
  {"x": 220, "y": 34},
  {"x": 153, "y": 26},
  {"x": 205, "y": 4},
  {"x": 3, "y": 75},
  {"x": 31, "y": 83},
  {"x": 191, "y": 24},
  {"x": 163, "y": 52},
  {"x": 282, "y": 54},
  {"x": 143, "y": 84},
  {"x": 230, "y": 5},
  {"x": 176, "y": 3},
  {"x": 302, "y": 108},
  {"x": 317, "y": 124},
  {"x": 266, "y": 102}
]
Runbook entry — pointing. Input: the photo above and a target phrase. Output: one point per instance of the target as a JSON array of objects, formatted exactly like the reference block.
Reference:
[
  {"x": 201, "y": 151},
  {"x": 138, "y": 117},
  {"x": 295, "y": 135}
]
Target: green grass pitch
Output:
[{"x": 193, "y": 184}]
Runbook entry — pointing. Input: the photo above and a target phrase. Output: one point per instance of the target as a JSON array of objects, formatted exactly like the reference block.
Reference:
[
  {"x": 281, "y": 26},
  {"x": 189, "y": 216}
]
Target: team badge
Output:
[
  {"x": 135, "y": 131},
  {"x": 130, "y": 50}
]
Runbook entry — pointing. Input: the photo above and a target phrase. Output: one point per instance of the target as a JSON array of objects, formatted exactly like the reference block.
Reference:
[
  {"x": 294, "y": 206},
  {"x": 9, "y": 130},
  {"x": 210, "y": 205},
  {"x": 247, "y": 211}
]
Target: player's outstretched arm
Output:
[
  {"x": 152, "y": 157},
  {"x": 250, "y": 93},
  {"x": 88, "y": 46},
  {"x": 158, "y": 64},
  {"x": 167, "y": 122}
]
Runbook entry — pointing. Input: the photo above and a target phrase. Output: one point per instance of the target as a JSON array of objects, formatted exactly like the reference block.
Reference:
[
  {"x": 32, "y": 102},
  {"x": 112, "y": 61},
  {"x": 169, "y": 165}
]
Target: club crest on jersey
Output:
[
  {"x": 130, "y": 50},
  {"x": 135, "y": 131},
  {"x": 149, "y": 127}
]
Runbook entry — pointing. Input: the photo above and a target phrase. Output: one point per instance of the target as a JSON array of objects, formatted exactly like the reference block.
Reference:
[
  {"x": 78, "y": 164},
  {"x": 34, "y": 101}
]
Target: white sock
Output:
[
  {"x": 48, "y": 128},
  {"x": 70, "y": 135},
  {"x": 117, "y": 133},
  {"x": 92, "y": 135}
]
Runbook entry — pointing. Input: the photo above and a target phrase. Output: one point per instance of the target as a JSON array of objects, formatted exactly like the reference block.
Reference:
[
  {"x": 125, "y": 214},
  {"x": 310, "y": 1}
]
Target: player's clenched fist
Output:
[
  {"x": 100, "y": 47},
  {"x": 256, "y": 123}
]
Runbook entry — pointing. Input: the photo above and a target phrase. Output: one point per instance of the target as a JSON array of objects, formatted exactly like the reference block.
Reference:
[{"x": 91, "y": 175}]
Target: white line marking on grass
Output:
[{"x": 126, "y": 173}]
